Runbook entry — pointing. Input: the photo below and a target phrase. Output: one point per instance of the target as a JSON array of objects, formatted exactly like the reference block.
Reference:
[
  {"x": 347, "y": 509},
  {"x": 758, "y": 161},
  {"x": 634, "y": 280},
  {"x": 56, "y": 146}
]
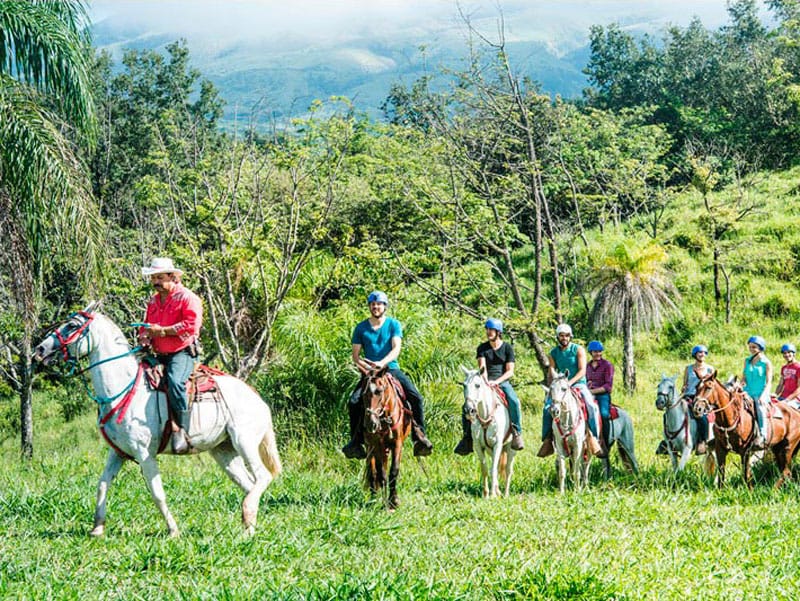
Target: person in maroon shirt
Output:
[
  {"x": 600, "y": 380},
  {"x": 172, "y": 328},
  {"x": 788, "y": 389}
]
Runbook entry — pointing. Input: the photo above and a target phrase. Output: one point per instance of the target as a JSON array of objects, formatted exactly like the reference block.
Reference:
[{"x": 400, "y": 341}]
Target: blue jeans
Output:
[
  {"x": 547, "y": 419},
  {"x": 177, "y": 369}
]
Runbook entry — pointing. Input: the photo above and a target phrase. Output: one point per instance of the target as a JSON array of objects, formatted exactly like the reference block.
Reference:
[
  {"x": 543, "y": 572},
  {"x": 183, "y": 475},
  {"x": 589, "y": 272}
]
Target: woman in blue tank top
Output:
[{"x": 757, "y": 382}]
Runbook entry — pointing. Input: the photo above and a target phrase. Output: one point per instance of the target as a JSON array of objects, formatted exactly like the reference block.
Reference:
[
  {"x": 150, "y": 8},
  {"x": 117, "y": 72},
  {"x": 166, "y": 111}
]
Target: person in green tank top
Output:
[
  {"x": 757, "y": 382},
  {"x": 568, "y": 357}
]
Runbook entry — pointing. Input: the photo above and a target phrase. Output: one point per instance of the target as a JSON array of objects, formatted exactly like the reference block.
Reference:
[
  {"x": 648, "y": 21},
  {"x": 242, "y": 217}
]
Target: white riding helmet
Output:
[{"x": 563, "y": 328}]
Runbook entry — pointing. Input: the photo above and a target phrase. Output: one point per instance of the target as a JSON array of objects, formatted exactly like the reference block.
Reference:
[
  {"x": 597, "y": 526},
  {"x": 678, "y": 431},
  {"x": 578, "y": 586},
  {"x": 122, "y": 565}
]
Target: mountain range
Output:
[{"x": 275, "y": 62}]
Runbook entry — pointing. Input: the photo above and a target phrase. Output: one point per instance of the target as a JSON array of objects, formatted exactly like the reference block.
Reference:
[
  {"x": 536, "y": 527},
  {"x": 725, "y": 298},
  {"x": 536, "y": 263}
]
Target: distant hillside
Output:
[{"x": 284, "y": 66}]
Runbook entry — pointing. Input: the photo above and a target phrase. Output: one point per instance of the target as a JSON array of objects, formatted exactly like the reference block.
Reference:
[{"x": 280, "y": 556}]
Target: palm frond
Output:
[{"x": 44, "y": 44}]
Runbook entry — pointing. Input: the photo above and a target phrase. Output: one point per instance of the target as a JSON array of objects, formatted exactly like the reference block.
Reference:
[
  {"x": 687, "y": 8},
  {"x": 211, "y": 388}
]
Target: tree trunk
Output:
[
  {"x": 26, "y": 396},
  {"x": 717, "y": 292},
  {"x": 628, "y": 368}
]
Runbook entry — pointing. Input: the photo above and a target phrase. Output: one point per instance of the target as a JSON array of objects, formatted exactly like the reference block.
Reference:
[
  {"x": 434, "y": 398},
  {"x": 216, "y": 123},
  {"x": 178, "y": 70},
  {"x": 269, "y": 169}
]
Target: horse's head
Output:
[
  {"x": 476, "y": 390},
  {"x": 666, "y": 392},
  {"x": 70, "y": 340},
  {"x": 707, "y": 395},
  {"x": 378, "y": 395},
  {"x": 560, "y": 395}
]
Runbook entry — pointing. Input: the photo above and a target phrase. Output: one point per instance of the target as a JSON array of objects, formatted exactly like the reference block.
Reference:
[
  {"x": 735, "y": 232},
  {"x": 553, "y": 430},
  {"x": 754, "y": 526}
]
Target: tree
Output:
[
  {"x": 46, "y": 209},
  {"x": 634, "y": 291}
]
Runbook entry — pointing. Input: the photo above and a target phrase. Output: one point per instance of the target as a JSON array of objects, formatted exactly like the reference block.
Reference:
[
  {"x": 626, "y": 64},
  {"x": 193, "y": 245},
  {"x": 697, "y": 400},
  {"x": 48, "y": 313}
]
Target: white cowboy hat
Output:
[{"x": 160, "y": 265}]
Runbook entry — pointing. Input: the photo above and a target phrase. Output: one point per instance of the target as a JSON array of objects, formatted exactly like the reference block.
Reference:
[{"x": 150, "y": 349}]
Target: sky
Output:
[{"x": 332, "y": 19}]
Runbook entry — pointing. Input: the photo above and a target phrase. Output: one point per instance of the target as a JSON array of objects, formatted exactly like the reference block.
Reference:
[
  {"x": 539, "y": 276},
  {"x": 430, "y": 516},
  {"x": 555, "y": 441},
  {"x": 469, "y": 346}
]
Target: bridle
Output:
[
  {"x": 80, "y": 333},
  {"x": 719, "y": 409},
  {"x": 472, "y": 403},
  {"x": 383, "y": 413},
  {"x": 666, "y": 405},
  {"x": 562, "y": 405}
]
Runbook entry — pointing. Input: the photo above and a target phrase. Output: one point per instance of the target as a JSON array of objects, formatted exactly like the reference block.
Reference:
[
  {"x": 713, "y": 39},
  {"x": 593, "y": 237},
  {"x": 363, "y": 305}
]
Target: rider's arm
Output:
[
  {"x": 552, "y": 371},
  {"x": 581, "y": 366},
  {"x": 768, "y": 386},
  {"x": 507, "y": 374},
  {"x": 360, "y": 363},
  {"x": 392, "y": 355}
]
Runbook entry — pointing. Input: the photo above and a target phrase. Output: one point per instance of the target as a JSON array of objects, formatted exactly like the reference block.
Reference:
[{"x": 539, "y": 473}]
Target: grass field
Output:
[{"x": 321, "y": 537}]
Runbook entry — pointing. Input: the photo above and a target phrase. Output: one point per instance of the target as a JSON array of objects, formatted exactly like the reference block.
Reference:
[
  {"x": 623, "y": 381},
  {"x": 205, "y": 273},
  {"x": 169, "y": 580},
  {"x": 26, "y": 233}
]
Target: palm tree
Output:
[
  {"x": 634, "y": 292},
  {"x": 46, "y": 113}
]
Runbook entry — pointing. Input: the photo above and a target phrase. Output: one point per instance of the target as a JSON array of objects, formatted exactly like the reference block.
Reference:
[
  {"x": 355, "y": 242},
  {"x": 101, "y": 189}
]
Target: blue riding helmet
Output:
[
  {"x": 788, "y": 348},
  {"x": 494, "y": 324},
  {"x": 698, "y": 349},
  {"x": 594, "y": 345},
  {"x": 758, "y": 341},
  {"x": 378, "y": 297}
]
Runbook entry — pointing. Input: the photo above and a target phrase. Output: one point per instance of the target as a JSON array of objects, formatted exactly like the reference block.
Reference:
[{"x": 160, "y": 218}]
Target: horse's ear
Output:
[
  {"x": 464, "y": 369},
  {"x": 92, "y": 306},
  {"x": 566, "y": 373},
  {"x": 545, "y": 388},
  {"x": 483, "y": 370}
]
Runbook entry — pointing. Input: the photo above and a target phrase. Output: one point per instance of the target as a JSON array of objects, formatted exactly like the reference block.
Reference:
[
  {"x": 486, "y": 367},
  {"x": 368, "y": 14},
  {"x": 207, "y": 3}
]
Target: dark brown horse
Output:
[
  {"x": 387, "y": 423},
  {"x": 733, "y": 428}
]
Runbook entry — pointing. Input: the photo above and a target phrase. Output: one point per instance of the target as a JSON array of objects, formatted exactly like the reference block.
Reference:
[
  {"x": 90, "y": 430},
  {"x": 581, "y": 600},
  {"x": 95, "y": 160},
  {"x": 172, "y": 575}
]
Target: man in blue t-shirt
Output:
[{"x": 380, "y": 338}]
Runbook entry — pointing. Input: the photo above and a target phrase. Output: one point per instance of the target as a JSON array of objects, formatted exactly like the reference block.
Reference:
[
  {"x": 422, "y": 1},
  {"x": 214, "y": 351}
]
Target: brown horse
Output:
[
  {"x": 387, "y": 423},
  {"x": 733, "y": 428}
]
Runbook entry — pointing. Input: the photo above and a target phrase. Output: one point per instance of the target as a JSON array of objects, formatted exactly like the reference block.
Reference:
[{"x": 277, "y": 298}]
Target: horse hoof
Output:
[
  {"x": 174, "y": 533},
  {"x": 393, "y": 504},
  {"x": 98, "y": 531}
]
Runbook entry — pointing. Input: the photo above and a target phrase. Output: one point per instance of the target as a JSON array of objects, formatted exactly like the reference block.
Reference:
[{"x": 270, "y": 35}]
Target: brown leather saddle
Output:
[{"x": 201, "y": 385}]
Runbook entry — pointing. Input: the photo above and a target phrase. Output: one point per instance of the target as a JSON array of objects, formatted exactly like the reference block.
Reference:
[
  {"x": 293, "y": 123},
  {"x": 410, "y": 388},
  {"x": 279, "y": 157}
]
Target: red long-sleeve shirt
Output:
[{"x": 182, "y": 310}]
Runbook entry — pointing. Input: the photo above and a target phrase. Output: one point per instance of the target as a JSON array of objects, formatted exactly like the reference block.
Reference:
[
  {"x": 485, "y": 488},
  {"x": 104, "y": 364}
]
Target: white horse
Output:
[
  {"x": 236, "y": 431},
  {"x": 680, "y": 429},
  {"x": 491, "y": 432},
  {"x": 569, "y": 433}
]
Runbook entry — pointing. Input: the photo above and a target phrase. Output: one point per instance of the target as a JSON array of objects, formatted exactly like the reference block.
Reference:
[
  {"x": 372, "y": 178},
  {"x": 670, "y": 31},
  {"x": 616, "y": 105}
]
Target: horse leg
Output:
[
  {"x": 496, "y": 452},
  {"x": 247, "y": 446},
  {"x": 722, "y": 456},
  {"x": 509, "y": 470},
  {"x": 230, "y": 461},
  {"x": 561, "y": 467},
  {"x": 113, "y": 465},
  {"x": 394, "y": 470},
  {"x": 152, "y": 477},
  {"x": 686, "y": 453},
  {"x": 484, "y": 484}
]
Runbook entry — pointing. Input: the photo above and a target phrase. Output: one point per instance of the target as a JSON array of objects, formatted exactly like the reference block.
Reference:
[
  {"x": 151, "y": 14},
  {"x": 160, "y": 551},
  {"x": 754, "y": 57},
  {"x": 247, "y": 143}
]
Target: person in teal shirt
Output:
[
  {"x": 568, "y": 357},
  {"x": 757, "y": 382},
  {"x": 379, "y": 339}
]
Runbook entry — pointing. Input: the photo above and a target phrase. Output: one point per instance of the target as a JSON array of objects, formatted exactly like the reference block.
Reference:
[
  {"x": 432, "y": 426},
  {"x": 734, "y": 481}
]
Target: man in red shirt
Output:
[
  {"x": 173, "y": 319},
  {"x": 790, "y": 374}
]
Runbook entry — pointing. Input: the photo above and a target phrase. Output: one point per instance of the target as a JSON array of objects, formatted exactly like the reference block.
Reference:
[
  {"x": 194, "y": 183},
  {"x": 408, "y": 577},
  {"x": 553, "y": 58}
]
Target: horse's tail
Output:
[{"x": 268, "y": 449}]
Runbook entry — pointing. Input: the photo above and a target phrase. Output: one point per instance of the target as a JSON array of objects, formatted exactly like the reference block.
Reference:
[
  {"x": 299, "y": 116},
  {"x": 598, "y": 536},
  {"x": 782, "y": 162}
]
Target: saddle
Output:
[
  {"x": 200, "y": 386},
  {"x": 500, "y": 394}
]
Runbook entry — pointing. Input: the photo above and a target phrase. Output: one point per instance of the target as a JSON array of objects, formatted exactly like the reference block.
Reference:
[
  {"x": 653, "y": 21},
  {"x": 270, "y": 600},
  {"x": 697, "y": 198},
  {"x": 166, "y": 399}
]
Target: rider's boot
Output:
[
  {"x": 422, "y": 446},
  {"x": 355, "y": 448},
  {"x": 594, "y": 446},
  {"x": 180, "y": 438},
  {"x": 516, "y": 440},
  {"x": 547, "y": 447},
  {"x": 464, "y": 446}
]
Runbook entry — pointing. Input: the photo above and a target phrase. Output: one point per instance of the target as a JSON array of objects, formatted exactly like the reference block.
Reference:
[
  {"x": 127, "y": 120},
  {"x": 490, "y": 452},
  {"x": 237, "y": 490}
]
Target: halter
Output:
[
  {"x": 82, "y": 332},
  {"x": 578, "y": 421},
  {"x": 380, "y": 414},
  {"x": 676, "y": 397},
  {"x": 76, "y": 336},
  {"x": 485, "y": 423},
  {"x": 719, "y": 409}
]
